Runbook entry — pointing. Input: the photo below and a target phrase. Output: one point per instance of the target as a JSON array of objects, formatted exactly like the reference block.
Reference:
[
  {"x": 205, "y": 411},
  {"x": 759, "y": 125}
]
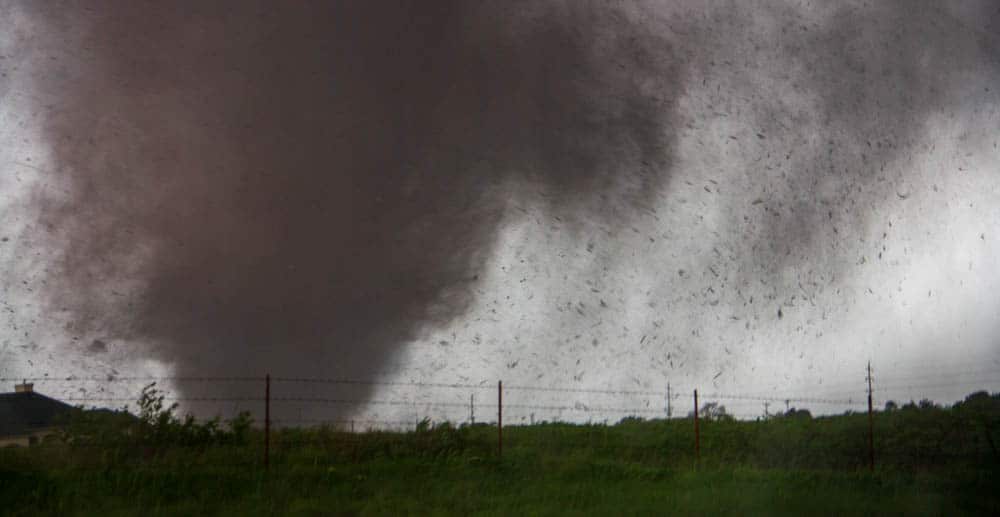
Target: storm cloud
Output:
[
  {"x": 305, "y": 188},
  {"x": 300, "y": 188}
]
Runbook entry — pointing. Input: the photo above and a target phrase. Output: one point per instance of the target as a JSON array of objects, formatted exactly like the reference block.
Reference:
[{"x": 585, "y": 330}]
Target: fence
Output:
[
  {"x": 466, "y": 404},
  {"x": 289, "y": 402},
  {"x": 400, "y": 405}
]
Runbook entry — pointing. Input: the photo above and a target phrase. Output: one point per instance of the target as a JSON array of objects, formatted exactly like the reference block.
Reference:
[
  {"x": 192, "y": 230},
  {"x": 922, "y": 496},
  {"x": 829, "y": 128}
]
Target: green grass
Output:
[
  {"x": 461, "y": 486},
  {"x": 778, "y": 467}
]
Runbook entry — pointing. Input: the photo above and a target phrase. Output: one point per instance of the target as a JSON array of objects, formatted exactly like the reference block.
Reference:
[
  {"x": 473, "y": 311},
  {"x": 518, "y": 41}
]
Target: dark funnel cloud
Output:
[{"x": 302, "y": 187}]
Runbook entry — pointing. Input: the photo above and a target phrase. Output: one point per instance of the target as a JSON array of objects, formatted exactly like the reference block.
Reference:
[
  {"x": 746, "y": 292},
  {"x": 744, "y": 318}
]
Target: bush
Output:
[{"x": 155, "y": 428}]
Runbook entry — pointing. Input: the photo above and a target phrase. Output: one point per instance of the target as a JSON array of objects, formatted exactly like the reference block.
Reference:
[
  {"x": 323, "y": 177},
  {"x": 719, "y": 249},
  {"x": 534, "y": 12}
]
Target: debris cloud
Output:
[{"x": 302, "y": 187}]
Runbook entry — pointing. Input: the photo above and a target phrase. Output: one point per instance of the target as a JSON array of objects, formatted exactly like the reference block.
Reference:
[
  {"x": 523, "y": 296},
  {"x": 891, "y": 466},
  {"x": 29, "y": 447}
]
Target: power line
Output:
[
  {"x": 583, "y": 390},
  {"x": 378, "y": 383},
  {"x": 969, "y": 383},
  {"x": 810, "y": 400}
]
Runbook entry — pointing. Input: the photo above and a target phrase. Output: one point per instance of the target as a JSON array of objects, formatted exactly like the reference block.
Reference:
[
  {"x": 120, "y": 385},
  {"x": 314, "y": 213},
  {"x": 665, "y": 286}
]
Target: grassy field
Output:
[
  {"x": 931, "y": 461},
  {"x": 462, "y": 487}
]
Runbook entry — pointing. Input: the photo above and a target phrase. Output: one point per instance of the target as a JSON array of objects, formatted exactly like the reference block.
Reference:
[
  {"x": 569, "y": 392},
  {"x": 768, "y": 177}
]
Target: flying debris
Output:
[{"x": 375, "y": 149}]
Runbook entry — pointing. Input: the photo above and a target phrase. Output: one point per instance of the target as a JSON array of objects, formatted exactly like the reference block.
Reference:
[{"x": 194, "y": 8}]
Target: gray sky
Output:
[{"x": 748, "y": 199}]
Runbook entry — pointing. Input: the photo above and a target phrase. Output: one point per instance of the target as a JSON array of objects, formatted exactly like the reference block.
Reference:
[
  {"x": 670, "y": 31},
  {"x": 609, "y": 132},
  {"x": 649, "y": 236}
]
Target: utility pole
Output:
[
  {"x": 767, "y": 404},
  {"x": 668, "y": 401},
  {"x": 472, "y": 408},
  {"x": 871, "y": 425}
]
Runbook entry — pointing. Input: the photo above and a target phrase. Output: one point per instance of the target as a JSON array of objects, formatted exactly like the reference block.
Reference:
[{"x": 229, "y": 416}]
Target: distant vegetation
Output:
[
  {"x": 929, "y": 460},
  {"x": 154, "y": 430}
]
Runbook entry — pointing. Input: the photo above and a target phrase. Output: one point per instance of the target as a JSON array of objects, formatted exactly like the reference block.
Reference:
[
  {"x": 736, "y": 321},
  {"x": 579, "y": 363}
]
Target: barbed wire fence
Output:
[
  {"x": 469, "y": 403},
  {"x": 398, "y": 406},
  {"x": 466, "y": 404}
]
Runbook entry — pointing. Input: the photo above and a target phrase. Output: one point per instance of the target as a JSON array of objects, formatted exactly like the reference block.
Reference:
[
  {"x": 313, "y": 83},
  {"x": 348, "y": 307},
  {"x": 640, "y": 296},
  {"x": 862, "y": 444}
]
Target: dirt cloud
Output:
[{"x": 302, "y": 187}]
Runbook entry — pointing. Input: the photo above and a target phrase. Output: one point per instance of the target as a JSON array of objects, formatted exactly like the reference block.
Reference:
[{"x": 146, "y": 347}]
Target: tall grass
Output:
[{"x": 930, "y": 461}]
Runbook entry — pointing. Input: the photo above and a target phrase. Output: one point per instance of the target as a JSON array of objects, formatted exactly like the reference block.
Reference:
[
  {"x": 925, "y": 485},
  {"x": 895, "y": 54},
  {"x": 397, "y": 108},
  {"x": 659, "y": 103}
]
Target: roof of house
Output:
[{"x": 21, "y": 413}]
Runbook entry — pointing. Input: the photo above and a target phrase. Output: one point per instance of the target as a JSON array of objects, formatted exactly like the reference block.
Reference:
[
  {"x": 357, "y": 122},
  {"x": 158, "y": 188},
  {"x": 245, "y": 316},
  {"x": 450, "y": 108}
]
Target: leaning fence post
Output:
[
  {"x": 267, "y": 421},
  {"x": 499, "y": 419},
  {"x": 697, "y": 437}
]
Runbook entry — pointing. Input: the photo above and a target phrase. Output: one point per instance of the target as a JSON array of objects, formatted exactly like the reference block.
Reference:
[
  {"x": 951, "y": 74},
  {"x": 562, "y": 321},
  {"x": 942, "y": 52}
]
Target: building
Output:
[{"x": 27, "y": 416}]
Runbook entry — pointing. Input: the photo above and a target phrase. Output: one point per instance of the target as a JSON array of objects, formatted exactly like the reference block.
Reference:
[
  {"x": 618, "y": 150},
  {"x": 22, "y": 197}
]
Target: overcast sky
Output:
[{"x": 750, "y": 198}]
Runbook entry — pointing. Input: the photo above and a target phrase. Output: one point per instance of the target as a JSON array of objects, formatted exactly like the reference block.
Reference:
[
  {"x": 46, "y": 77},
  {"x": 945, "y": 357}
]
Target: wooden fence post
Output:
[
  {"x": 499, "y": 419},
  {"x": 871, "y": 425},
  {"x": 697, "y": 436},
  {"x": 267, "y": 421}
]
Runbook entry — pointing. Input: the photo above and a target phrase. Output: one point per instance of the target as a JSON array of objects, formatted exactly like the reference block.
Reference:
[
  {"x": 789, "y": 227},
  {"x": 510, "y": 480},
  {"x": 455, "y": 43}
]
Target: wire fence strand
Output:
[{"x": 550, "y": 402}]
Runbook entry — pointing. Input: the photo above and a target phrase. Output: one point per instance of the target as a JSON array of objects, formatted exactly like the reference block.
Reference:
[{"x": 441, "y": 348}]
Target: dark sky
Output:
[{"x": 335, "y": 188}]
